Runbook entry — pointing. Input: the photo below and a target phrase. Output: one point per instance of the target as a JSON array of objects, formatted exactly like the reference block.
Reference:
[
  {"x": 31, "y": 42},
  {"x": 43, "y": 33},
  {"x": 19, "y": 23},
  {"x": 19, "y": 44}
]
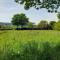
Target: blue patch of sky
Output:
[{"x": 8, "y": 8}]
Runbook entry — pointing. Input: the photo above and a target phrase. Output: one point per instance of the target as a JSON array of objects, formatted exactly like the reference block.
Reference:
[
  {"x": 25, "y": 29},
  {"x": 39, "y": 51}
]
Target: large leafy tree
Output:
[
  {"x": 51, "y": 5},
  {"x": 19, "y": 19},
  {"x": 58, "y": 15},
  {"x": 43, "y": 24},
  {"x": 51, "y": 24},
  {"x": 30, "y": 25},
  {"x": 57, "y": 26}
]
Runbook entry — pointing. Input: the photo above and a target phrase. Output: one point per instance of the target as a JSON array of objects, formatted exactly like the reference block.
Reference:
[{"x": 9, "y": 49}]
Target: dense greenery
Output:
[
  {"x": 57, "y": 26},
  {"x": 19, "y": 19},
  {"x": 30, "y": 45},
  {"x": 52, "y": 24},
  {"x": 30, "y": 25},
  {"x": 50, "y": 5},
  {"x": 43, "y": 25},
  {"x": 22, "y": 22},
  {"x": 58, "y": 15}
]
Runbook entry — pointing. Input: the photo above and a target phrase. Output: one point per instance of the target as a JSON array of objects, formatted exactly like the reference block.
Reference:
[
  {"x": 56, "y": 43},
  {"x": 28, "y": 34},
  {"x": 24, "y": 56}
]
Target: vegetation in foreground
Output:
[{"x": 30, "y": 45}]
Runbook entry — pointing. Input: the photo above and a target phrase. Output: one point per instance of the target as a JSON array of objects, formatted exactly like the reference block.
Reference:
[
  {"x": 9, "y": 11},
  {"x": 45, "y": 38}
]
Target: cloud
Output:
[{"x": 8, "y": 8}]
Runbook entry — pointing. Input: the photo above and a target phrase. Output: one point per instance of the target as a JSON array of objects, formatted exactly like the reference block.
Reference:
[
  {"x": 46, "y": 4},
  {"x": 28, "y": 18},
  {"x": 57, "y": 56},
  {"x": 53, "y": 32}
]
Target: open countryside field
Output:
[
  {"x": 12, "y": 41},
  {"x": 23, "y": 36}
]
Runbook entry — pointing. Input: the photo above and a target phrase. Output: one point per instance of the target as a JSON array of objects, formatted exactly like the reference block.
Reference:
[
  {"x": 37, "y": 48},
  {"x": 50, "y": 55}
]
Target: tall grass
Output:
[
  {"x": 32, "y": 51},
  {"x": 30, "y": 45}
]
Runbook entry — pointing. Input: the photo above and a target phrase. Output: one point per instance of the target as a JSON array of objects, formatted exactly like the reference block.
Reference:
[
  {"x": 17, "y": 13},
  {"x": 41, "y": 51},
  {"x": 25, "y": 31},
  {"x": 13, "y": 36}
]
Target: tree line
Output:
[{"x": 21, "y": 22}]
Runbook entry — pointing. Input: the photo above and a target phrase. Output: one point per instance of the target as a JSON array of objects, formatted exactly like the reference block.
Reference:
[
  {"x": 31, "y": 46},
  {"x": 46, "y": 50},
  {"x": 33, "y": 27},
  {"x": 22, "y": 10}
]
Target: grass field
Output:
[
  {"x": 24, "y": 36},
  {"x": 14, "y": 40}
]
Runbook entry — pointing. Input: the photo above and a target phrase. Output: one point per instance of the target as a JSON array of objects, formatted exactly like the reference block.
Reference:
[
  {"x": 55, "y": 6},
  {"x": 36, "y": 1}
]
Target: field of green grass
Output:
[
  {"x": 24, "y": 36},
  {"x": 13, "y": 40}
]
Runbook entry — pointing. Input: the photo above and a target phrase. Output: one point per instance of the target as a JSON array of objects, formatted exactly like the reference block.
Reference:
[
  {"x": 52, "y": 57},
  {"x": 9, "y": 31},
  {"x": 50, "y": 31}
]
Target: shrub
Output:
[{"x": 57, "y": 26}]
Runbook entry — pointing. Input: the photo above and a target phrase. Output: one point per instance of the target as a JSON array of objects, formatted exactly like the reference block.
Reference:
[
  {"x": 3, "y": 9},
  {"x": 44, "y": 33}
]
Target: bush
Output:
[
  {"x": 57, "y": 26},
  {"x": 51, "y": 25}
]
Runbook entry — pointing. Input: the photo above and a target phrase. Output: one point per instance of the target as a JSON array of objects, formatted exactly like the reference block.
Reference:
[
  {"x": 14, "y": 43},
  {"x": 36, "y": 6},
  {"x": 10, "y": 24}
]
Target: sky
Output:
[{"x": 8, "y": 8}]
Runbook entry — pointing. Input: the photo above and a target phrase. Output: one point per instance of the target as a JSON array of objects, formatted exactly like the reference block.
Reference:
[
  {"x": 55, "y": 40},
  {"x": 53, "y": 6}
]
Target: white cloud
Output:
[{"x": 8, "y": 8}]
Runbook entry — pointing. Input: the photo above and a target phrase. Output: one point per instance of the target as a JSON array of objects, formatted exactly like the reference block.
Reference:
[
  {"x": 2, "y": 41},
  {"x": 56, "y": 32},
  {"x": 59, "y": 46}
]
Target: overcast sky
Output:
[{"x": 8, "y": 8}]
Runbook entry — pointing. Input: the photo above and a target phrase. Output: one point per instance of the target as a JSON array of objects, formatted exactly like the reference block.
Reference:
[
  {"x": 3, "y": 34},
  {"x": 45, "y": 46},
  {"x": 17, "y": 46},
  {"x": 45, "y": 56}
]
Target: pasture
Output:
[{"x": 13, "y": 41}]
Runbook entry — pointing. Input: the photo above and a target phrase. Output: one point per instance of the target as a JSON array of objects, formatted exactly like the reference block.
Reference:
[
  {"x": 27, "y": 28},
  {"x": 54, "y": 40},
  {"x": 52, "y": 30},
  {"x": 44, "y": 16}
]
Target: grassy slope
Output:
[{"x": 14, "y": 39}]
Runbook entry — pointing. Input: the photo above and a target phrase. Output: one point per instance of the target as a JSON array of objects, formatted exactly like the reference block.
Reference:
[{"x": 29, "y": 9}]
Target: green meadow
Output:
[
  {"x": 23, "y": 36},
  {"x": 13, "y": 42}
]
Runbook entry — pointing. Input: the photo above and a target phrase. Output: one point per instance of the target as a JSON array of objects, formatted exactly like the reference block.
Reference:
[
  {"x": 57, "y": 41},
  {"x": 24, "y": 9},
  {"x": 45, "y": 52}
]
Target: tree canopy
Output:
[
  {"x": 57, "y": 26},
  {"x": 19, "y": 19},
  {"x": 58, "y": 15},
  {"x": 43, "y": 24},
  {"x": 50, "y": 5},
  {"x": 52, "y": 24},
  {"x": 30, "y": 25}
]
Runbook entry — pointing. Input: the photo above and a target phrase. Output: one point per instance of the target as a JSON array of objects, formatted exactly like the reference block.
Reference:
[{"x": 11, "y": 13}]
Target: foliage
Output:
[
  {"x": 19, "y": 19},
  {"x": 58, "y": 15},
  {"x": 29, "y": 45},
  {"x": 43, "y": 24},
  {"x": 30, "y": 25},
  {"x": 57, "y": 26},
  {"x": 51, "y": 5},
  {"x": 52, "y": 24}
]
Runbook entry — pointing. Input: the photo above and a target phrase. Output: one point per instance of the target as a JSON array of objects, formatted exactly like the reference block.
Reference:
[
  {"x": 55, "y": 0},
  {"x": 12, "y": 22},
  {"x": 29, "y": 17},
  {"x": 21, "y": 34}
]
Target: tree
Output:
[
  {"x": 58, "y": 15},
  {"x": 19, "y": 19},
  {"x": 30, "y": 25},
  {"x": 51, "y": 25},
  {"x": 57, "y": 26},
  {"x": 51, "y": 5},
  {"x": 43, "y": 24}
]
